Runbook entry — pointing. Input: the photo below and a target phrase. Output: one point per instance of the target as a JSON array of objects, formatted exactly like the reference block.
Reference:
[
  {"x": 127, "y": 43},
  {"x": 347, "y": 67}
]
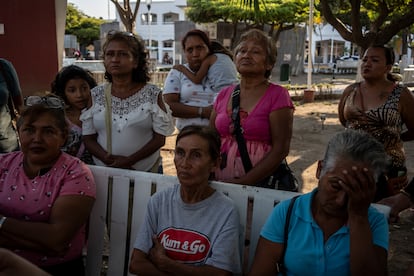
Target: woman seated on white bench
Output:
[
  {"x": 332, "y": 230},
  {"x": 46, "y": 195},
  {"x": 190, "y": 228}
]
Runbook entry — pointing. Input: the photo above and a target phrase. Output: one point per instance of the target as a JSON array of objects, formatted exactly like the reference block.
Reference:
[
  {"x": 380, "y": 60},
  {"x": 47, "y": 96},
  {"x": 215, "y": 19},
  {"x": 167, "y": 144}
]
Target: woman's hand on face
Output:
[{"x": 359, "y": 185}]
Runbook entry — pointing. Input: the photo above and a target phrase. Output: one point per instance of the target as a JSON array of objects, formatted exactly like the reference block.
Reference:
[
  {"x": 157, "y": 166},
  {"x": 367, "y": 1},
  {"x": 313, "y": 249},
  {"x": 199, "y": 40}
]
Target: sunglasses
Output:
[{"x": 51, "y": 102}]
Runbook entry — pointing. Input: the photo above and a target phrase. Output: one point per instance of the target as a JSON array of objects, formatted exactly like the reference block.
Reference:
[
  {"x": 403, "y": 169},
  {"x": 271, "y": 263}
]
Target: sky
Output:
[{"x": 95, "y": 8}]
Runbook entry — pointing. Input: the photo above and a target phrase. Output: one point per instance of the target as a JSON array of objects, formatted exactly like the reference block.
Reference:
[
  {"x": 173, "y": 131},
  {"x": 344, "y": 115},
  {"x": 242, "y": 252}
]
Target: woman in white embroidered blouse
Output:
[{"x": 139, "y": 120}]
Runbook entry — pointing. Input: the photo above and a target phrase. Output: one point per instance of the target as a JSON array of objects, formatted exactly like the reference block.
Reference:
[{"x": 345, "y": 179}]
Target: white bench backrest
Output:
[{"x": 117, "y": 215}]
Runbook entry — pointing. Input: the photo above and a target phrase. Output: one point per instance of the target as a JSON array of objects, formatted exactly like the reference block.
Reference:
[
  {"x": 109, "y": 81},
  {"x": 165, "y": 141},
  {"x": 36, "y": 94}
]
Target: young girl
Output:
[
  {"x": 73, "y": 84},
  {"x": 218, "y": 67}
]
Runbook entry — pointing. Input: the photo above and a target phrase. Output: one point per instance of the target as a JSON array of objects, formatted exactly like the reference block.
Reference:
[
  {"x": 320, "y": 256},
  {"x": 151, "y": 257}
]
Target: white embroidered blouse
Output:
[{"x": 134, "y": 120}]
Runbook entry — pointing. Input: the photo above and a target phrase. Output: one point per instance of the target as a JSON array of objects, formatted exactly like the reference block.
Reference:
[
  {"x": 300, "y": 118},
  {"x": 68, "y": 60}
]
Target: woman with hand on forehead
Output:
[
  {"x": 127, "y": 123},
  {"x": 333, "y": 230}
]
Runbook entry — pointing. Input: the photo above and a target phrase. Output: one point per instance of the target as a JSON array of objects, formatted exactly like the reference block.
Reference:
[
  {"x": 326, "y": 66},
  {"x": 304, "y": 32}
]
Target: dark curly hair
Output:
[
  {"x": 69, "y": 73},
  {"x": 140, "y": 74}
]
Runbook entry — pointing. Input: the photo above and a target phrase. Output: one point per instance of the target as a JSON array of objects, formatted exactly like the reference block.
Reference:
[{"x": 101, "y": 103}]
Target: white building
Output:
[
  {"x": 328, "y": 44},
  {"x": 161, "y": 14},
  {"x": 327, "y": 47}
]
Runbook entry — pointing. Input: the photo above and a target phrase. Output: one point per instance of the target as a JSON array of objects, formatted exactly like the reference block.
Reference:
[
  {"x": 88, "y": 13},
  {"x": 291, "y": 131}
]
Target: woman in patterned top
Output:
[
  {"x": 191, "y": 103},
  {"x": 127, "y": 122},
  {"x": 381, "y": 107},
  {"x": 73, "y": 84},
  {"x": 46, "y": 195}
]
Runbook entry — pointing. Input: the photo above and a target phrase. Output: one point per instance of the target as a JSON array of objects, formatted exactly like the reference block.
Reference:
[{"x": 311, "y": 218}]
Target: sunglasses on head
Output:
[{"x": 51, "y": 102}]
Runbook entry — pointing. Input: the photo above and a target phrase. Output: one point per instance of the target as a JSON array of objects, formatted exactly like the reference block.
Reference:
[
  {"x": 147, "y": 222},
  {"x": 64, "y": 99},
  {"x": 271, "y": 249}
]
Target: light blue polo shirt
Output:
[{"x": 307, "y": 254}]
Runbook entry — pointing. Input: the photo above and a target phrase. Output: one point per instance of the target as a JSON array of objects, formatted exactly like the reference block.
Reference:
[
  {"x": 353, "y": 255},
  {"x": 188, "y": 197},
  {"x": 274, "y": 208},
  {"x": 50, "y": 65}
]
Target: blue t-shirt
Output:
[
  {"x": 307, "y": 253},
  {"x": 222, "y": 73}
]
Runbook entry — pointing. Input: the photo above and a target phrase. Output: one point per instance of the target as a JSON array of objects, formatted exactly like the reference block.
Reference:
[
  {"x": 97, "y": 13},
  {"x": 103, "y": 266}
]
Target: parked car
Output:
[
  {"x": 348, "y": 57},
  {"x": 347, "y": 64}
]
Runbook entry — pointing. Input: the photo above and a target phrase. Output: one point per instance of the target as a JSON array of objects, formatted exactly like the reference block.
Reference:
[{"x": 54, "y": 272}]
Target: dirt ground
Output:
[{"x": 310, "y": 136}]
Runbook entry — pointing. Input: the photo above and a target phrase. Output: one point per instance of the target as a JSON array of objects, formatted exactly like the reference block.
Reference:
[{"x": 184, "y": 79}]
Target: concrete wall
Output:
[
  {"x": 33, "y": 40},
  {"x": 290, "y": 50}
]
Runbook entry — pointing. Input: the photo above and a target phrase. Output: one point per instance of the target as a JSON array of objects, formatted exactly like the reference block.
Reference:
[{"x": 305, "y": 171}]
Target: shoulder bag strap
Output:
[
  {"x": 285, "y": 235},
  {"x": 108, "y": 117},
  {"x": 241, "y": 143}
]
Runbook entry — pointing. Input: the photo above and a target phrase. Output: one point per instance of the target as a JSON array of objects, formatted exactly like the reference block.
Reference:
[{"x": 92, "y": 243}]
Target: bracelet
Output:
[
  {"x": 200, "y": 112},
  {"x": 2, "y": 220},
  {"x": 406, "y": 194}
]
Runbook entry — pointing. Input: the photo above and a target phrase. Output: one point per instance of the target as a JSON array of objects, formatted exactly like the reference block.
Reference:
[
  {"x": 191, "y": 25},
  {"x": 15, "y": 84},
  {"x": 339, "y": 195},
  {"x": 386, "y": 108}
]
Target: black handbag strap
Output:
[
  {"x": 286, "y": 234},
  {"x": 238, "y": 131}
]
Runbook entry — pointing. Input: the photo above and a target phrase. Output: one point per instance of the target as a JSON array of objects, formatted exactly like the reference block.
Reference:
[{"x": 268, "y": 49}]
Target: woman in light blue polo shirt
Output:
[{"x": 332, "y": 230}]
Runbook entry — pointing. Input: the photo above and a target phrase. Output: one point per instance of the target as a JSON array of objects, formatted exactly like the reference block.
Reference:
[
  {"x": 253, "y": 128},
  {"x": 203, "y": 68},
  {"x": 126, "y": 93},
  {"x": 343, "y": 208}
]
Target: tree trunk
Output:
[{"x": 126, "y": 14}]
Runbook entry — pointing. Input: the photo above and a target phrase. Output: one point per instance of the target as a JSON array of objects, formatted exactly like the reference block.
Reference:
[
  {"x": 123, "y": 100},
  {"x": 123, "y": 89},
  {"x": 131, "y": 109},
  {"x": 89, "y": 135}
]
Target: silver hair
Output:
[{"x": 356, "y": 146}]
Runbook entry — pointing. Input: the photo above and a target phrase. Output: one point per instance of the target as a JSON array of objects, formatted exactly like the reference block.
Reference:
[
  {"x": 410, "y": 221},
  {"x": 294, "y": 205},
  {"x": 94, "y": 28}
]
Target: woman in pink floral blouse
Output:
[{"x": 46, "y": 195}]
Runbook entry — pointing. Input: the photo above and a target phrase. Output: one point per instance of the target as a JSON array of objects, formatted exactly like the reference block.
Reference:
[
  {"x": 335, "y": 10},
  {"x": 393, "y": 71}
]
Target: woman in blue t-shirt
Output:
[{"x": 332, "y": 230}]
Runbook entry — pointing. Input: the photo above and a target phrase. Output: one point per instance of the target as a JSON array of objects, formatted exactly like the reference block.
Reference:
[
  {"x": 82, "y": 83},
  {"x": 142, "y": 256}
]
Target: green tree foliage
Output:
[
  {"x": 85, "y": 28},
  {"x": 279, "y": 15},
  {"x": 369, "y": 21}
]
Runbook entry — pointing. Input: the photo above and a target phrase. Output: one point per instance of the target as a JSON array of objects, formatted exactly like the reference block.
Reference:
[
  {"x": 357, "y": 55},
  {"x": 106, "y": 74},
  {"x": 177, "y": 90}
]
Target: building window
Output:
[
  {"x": 169, "y": 18},
  {"x": 154, "y": 43},
  {"x": 168, "y": 44},
  {"x": 144, "y": 18}
]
